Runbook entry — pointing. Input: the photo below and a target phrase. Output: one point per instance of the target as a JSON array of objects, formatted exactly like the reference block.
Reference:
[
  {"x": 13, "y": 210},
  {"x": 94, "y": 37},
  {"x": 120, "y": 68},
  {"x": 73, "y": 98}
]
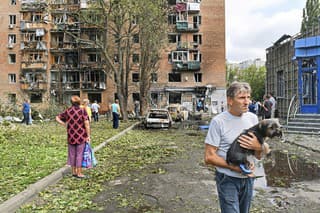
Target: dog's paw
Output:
[{"x": 244, "y": 169}]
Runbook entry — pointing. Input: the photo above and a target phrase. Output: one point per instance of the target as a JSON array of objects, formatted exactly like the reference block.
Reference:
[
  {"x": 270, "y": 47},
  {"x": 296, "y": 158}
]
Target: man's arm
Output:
[{"x": 212, "y": 158}]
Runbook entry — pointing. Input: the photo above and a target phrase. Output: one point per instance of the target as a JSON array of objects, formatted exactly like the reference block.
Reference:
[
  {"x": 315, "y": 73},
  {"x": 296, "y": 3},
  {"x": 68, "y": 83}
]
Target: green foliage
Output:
[
  {"x": 311, "y": 14},
  {"x": 29, "y": 153},
  {"x": 256, "y": 77}
]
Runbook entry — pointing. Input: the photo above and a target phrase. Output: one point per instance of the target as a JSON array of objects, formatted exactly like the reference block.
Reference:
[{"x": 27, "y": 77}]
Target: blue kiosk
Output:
[{"x": 307, "y": 54}]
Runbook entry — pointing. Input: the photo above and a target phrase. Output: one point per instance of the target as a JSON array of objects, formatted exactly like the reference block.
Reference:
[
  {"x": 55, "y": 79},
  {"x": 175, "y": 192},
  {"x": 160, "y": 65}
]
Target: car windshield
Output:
[{"x": 158, "y": 115}]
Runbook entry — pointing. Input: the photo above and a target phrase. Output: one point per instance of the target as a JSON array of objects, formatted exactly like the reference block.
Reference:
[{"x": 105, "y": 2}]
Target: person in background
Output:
[
  {"x": 273, "y": 106},
  {"x": 267, "y": 107},
  {"x": 235, "y": 190},
  {"x": 76, "y": 121},
  {"x": 86, "y": 106},
  {"x": 95, "y": 111},
  {"x": 252, "y": 107},
  {"x": 26, "y": 111},
  {"x": 137, "y": 108},
  {"x": 115, "y": 109}
]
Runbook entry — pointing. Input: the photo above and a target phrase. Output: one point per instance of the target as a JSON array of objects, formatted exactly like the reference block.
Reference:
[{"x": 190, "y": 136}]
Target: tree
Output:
[
  {"x": 121, "y": 21},
  {"x": 310, "y": 16},
  {"x": 256, "y": 77},
  {"x": 152, "y": 32}
]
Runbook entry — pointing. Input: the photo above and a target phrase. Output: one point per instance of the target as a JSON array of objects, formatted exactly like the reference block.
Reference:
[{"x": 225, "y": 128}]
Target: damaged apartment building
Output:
[{"x": 42, "y": 61}]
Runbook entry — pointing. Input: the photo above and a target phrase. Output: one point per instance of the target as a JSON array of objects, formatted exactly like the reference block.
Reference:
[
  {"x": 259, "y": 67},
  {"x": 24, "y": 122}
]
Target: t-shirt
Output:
[
  {"x": 223, "y": 130},
  {"x": 26, "y": 108}
]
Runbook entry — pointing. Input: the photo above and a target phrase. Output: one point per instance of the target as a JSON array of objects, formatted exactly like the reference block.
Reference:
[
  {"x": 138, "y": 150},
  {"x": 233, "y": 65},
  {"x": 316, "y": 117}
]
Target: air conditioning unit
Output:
[
  {"x": 10, "y": 46},
  {"x": 11, "y": 26}
]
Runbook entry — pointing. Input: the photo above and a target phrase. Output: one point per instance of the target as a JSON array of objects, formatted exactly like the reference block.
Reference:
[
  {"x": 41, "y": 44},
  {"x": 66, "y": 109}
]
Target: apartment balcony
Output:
[
  {"x": 186, "y": 65},
  {"x": 185, "y": 26},
  {"x": 65, "y": 67},
  {"x": 93, "y": 85},
  {"x": 33, "y": 45},
  {"x": 91, "y": 65},
  {"x": 39, "y": 27},
  {"x": 65, "y": 86},
  {"x": 33, "y": 86},
  {"x": 193, "y": 7},
  {"x": 34, "y": 65},
  {"x": 188, "y": 46},
  {"x": 68, "y": 26}
]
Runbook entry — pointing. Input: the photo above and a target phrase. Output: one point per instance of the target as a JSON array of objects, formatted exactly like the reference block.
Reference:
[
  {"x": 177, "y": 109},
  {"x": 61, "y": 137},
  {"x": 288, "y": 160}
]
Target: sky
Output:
[{"x": 254, "y": 25}]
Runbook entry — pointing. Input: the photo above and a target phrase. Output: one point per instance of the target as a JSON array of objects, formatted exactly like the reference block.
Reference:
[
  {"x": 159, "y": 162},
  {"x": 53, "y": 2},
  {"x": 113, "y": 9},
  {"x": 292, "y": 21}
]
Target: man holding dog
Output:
[{"x": 235, "y": 189}]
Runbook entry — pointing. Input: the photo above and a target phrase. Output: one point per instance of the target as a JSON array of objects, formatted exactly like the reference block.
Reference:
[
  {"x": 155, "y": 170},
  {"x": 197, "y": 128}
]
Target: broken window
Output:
[
  {"x": 135, "y": 77},
  {"x": 12, "y": 39},
  {"x": 12, "y": 98},
  {"x": 95, "y": 97},
  {"x": 36, "y": 17},
  {"x": 174, "y": 38},
  {"x": 116, "y": 58},
  {"x": 154, "y": 77},
  {"x": 180, "y": 56},
  {"x": 135, "y": 38},
  {"x": 154, "y": 99},
  {"x": 174, "y": 77},
  {"x": 174, "y": 97},
  {"x": 12, "y": 58},
  {"x": 36, "y": 98},
  {"x": 198, "y": 77},
  {"x": 135, "y": 58},
  {"x": 12, "y": 78},
  {"x": 12, "y": 19},
  {"x": 197, "y": 39},
  {"x": 172, "y": 19},
  {"x": 135, "y": 96}
]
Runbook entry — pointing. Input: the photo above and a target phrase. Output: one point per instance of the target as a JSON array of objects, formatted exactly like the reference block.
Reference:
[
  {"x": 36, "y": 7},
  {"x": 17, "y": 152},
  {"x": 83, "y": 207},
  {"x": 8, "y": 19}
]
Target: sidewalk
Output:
[
  {"x": 28, "y": 194},
  {"x": 310, "y": 142}
]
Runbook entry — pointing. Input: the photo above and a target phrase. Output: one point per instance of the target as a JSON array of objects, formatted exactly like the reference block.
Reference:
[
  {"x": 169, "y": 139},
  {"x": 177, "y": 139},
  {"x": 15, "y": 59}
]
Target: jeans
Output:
[
  {"x": 235, "y": 194},
  {"x": 115, "y": 120},
  {"x": 26, "y": 118}
]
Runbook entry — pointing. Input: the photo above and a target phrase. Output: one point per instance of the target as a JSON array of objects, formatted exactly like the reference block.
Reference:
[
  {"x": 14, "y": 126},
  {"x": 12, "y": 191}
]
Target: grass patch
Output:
[
  {"x": 132, "y": 152},
  {"x": 29, "y": 153}
]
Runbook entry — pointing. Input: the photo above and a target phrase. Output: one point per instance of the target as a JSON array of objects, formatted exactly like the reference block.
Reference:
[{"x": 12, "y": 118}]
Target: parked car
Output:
[
  {"x": 158, "y": 118},
  {"x": 178, "y": 112}
]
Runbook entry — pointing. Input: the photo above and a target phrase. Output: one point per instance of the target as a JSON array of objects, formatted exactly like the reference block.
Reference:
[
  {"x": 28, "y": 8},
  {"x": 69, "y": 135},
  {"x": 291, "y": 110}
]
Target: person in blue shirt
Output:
[
  {"x": 26, "y": 110},
  {"x": 115, "y": 109}
]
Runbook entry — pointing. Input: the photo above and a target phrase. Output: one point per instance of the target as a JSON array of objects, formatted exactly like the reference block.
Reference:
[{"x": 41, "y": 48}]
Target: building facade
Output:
[{"x": 44, "y": 63}]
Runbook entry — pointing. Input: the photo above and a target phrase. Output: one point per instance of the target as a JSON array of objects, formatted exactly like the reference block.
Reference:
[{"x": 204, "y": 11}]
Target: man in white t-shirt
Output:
[{"x": 235, "y": 189}]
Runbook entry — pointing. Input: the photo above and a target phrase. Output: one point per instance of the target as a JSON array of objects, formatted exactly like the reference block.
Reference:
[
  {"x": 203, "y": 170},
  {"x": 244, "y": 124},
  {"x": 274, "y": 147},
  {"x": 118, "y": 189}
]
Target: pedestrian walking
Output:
[
  {"x": 115, "y": 109},
  {"x": 26, "y": 111},
  {"x": 76, "y": 120},
  {"x": 235, "y": 190},
  {"x": 95, "y": 111}
]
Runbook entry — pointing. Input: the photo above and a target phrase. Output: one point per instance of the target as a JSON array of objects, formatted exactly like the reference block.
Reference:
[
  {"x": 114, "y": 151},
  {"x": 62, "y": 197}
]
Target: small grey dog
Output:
[{"x": 237, "y": 155}]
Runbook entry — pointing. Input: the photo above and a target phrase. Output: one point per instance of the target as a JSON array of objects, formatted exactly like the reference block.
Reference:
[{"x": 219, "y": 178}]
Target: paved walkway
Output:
[{"x": 311, "y": 142}]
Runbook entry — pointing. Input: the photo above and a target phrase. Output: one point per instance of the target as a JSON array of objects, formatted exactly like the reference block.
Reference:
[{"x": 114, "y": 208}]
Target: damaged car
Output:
[{"x": 158, "y": 118}]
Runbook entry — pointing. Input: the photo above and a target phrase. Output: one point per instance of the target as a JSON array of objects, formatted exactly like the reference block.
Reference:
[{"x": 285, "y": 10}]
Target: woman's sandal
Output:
[{"x": 80, "y": 176}]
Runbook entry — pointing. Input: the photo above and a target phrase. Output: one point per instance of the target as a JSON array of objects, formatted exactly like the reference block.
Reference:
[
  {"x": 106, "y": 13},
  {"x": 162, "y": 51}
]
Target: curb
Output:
[{"x": 29, "y": 193}]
